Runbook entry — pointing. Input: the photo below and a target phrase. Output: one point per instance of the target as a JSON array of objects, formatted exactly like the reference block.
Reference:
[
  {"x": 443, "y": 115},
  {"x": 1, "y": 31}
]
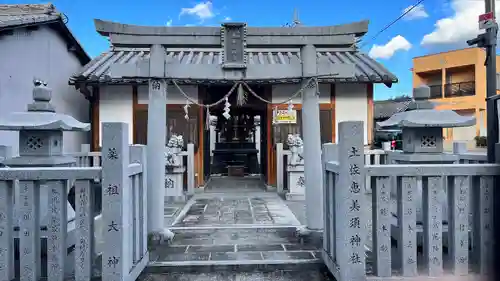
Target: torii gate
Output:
[{"x": 233, "y": 38}]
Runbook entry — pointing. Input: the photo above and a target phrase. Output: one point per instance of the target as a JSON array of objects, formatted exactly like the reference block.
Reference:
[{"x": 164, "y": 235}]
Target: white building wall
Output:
[
  {"x": 173, "y": 94},
  {"x": 284, "y": 92},
  {"x": 43, "y": 54},
  {"x": 351, "y": 104},
  {"x": 115, "y": 105}
]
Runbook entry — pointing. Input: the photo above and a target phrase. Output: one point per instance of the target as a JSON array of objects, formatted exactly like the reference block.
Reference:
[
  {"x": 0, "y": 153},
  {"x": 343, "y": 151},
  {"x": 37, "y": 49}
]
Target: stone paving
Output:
[
  {"x": 236, "y": 231},
  {"x": 233, "y": 209}
]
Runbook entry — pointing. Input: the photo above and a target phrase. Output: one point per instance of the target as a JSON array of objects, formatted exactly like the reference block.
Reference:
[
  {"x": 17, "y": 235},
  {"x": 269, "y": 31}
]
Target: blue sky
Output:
[{"x": 436, "y": 25}]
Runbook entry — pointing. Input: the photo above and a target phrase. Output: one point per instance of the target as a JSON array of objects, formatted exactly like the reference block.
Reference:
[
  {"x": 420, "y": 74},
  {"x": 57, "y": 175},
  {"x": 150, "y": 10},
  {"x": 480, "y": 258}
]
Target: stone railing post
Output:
[
  {"x": 329, "y": 153},
  {"x": 459, "y": 147},
  {"x": 351, "y": 221},
  {"x": 5, "y": 152},
  {"x": 138, "y": 154},
  {"x": 190, "y": 169},
  {"x": 279, "y": 168},
  {"x": 115, "y": 201}
]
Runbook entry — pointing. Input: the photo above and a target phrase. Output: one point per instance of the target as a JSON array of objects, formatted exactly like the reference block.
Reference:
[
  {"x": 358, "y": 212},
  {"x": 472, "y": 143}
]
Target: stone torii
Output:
[{"x": 234, "y": 38}]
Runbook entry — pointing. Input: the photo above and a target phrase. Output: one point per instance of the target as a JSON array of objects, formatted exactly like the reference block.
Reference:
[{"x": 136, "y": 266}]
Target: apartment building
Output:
[{"x": 458, "y": 81}]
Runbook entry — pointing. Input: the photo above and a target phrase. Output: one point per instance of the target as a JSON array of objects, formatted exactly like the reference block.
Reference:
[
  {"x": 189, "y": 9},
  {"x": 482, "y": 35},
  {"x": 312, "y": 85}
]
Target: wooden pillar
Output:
[
  {"x": 333, "y": 111},
  {"x": 135, "y": 103},
  {"x": 95, "y": 119},
  {"x": 370, "y": 126},
  {"x": 200, "y": 153},
  {"x": 271, "y": 175}
]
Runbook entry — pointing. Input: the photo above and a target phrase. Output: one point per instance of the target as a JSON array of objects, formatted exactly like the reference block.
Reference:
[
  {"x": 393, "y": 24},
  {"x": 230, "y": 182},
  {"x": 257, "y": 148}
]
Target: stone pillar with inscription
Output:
[
  {"x": 157, "y": 131},
  {"x": 313, "y": 173},
  {"x": 350, "y": 218},
  {"x": 40, "y": 145},
  {"x": 295, "y": 169},
  {"x": 174, "y": 170},
  {"x": 116, "y": 198}
]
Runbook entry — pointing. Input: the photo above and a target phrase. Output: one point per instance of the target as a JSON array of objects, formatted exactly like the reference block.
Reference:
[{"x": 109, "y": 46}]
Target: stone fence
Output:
[
  {"x": 371, "y": 156},
  {"x": 455, "y": 227},
  {"x": 87, "y": 158},
  {"x": 120, "y": 238}
]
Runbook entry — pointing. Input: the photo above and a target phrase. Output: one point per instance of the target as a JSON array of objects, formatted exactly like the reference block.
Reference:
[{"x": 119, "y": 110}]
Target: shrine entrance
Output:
[{"x": 235, "y": 146}]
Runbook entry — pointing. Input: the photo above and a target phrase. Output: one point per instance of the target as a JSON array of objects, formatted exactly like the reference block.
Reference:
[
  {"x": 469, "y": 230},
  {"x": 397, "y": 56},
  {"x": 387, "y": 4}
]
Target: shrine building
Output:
[{"x": 203, "y": 64}]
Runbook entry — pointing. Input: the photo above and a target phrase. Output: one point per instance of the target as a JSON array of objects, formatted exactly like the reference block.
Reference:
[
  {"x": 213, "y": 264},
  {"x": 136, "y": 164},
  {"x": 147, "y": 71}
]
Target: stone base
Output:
[
  {"x": 295, "y": 196},
  {"x": 176, "y": 199},
  {"x": 174, "y": 183},
  {"x": 271, "y": 188},
  {"x": 313, "y": 238},
  {"x": 296, "y": 180}
]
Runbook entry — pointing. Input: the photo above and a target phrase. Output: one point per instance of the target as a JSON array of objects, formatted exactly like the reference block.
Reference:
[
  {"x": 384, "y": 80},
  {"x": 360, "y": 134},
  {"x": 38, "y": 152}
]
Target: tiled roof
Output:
[
  {"x": 23, "y": 15},
  {"x": 387, "y": 108},
  {"x": 15, "y": 15},
  {"x": 366, "y": 69}
]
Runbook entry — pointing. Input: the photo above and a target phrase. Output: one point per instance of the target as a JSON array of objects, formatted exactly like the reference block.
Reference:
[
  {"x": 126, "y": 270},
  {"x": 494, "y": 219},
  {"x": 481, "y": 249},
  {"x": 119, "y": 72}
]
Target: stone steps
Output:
[
  {"x": 298, "y": 273},
  {"x": 229, "y": 247}
]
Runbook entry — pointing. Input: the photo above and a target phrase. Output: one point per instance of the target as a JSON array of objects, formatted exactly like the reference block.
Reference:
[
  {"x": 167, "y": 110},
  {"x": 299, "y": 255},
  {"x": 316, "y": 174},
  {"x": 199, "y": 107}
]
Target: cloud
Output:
[
  {"x": 169, "y": 22},
  {"x": 203, "y": 11},
  {"x": 387, "y": 51},
  {"x": 416, "y": 13},
  {"x": 460, "y": 26},
  {"x": 227, "y": 18}
]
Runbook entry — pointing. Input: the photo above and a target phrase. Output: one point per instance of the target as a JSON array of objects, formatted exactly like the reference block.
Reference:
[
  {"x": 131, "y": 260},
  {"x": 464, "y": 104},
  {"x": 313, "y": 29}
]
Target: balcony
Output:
[
  {"x": 436, "y": 91},
  {"x": 461, "y": 89}
]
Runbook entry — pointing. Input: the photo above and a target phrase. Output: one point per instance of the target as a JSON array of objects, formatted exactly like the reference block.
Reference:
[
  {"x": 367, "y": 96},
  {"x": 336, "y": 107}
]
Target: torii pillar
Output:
[
  {"x": 313, "y": 170},
  {"x": 157, "y": 131}
]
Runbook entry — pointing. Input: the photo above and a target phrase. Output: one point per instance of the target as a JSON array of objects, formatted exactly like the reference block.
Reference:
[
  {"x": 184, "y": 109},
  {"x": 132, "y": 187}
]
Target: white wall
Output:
[
  {"x": 351, "y": 104},
  {"x": 115, "y": 105},
  {"x": 43, "y": 54},
  {"x": 284, "y": 92},
  {"x": 173, "y": 94}
]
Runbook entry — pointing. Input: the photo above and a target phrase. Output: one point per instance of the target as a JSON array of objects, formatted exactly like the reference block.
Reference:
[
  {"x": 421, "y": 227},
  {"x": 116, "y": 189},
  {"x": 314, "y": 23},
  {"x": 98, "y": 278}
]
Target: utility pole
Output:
[{"x": 488, "y": 40}]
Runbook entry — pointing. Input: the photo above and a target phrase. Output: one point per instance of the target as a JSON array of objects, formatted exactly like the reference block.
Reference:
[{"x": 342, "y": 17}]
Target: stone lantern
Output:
[
  {"x": 422, "y": 133},
  {"x": 41, "y": 138}
]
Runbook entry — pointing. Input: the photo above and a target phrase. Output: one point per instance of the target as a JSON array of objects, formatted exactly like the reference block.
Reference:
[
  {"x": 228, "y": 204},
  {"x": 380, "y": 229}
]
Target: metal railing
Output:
[
  {"x": 436, "y": 91},
  {"x": 461, "y": 89}
]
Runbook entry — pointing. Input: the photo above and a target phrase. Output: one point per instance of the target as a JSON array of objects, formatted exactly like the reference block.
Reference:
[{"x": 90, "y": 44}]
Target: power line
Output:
[{"x": 392, "y": 23}]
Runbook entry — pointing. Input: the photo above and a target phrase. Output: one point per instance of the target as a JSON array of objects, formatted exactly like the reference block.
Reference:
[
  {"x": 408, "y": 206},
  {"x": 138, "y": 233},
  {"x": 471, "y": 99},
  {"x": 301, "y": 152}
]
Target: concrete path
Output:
[{"x": 236, "y": 230}]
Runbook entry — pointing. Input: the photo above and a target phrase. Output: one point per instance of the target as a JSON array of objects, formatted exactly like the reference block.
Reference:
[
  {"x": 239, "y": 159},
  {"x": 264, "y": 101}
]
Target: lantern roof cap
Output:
[
  {"x": 421, "y": 113},
  {"x": 41, "y": 115}
]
